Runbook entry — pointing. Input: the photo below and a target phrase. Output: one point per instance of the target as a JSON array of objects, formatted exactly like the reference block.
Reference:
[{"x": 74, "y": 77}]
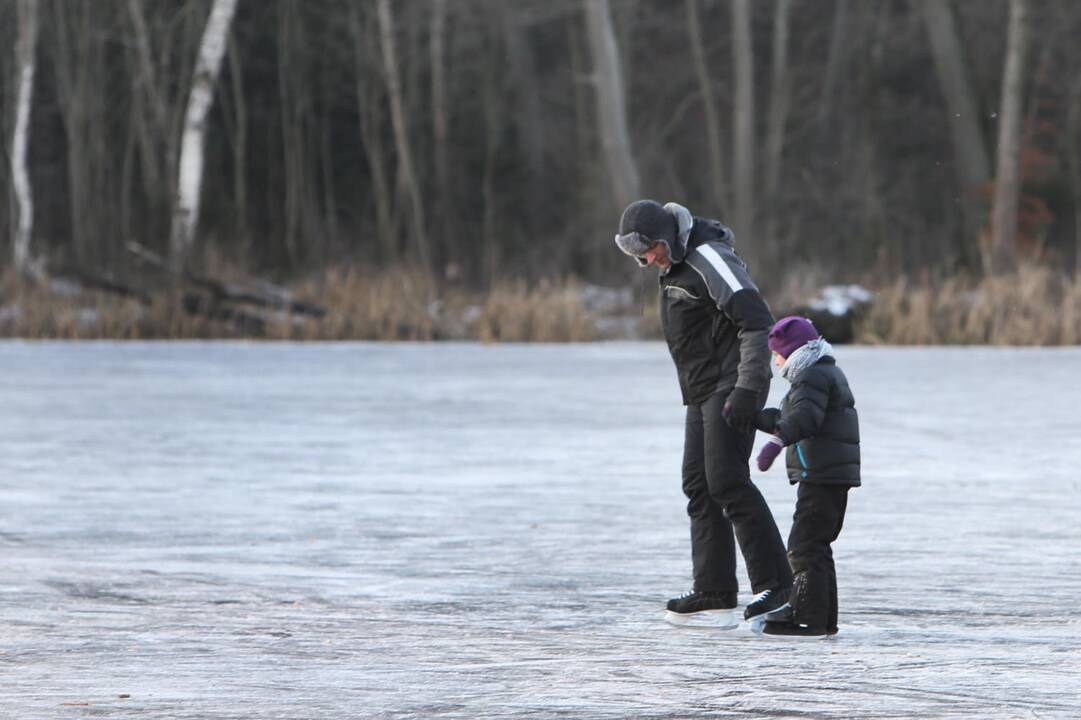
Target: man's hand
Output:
[
  {"x": 766, "y": 420},
  {"x": 769, "y": 453},
  {"x": 740, "y": 408}
]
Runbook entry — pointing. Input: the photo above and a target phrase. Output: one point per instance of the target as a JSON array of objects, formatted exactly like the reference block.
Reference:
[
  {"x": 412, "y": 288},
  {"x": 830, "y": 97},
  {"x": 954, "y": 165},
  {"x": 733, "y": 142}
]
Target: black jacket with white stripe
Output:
[{"x": 714, "y": 319}]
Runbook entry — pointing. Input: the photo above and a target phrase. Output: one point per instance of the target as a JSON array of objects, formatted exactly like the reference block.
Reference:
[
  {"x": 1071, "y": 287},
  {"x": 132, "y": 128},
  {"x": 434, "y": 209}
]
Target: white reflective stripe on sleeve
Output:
[{"x": 720, "y": 266}]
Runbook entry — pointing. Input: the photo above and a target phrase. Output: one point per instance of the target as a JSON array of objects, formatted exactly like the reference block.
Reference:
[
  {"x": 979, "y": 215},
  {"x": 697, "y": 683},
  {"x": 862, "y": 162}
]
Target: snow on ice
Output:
[{"x": 841, "y": 299}]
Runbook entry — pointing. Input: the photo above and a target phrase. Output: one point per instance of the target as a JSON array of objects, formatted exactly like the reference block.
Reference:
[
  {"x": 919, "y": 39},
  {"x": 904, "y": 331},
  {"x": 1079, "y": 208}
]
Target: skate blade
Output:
[
  {"x": 715, "y": 619},
  {"x": 758, "y": 627}
]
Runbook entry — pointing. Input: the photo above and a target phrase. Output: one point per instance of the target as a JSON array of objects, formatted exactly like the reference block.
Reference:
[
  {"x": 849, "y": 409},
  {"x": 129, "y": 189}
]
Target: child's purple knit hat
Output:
[{"x": 790, "y": 334}]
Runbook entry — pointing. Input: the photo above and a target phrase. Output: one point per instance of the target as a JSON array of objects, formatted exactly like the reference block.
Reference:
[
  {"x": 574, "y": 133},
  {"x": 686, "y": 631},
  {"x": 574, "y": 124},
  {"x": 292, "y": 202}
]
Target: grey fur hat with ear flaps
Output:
[{"x": 646, "y": 222}]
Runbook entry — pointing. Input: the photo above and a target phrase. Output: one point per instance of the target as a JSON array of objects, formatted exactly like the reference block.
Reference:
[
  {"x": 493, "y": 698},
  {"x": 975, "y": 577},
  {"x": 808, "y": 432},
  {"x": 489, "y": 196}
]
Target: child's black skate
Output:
[
  {"x": 792, "y": 629},
  {"x": 705, "y": 609},
  {"x": 766, "y": 601},
  {"x": 780, "y": 622}
]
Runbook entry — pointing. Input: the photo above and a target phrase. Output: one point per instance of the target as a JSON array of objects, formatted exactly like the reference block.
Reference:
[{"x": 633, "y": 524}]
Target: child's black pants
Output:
[{"x": 820, "y": 513}]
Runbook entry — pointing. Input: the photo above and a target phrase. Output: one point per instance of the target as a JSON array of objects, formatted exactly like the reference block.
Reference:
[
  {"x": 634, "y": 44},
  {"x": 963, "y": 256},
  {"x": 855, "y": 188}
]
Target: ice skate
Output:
[
  {"x": 766, "y": 601},
  {"x": 793, "y": 630},
  {"x": 780, "y": 623},
  {"x": 704, "y": 609}
]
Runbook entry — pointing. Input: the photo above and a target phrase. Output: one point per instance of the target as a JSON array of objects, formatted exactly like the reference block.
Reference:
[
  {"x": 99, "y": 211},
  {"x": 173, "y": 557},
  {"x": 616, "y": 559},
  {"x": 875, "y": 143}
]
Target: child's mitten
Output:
[{"x": 769, "y": 452}]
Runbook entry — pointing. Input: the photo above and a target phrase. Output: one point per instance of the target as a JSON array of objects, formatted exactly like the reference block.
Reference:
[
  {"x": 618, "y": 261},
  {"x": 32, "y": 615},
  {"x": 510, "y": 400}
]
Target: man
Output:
[{"x": 716, "y": 325}]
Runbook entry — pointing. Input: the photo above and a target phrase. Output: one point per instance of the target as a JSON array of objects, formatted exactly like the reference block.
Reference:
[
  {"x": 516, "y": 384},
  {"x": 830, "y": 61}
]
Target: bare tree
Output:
[
  {"x": 578, "y": 73},
  {"x": 744, "y": 131},
  {"x": 437, "y": 58},
  {"x": 369, "y": 104},
  {"x": 1073, "y": 149},
  {"x": 479, "y": 128},
  {"x": 294, "y": 91},
  {"x": 973, "y": 165},
  {"x": 709, "y": 105},
  {"x": 493, "y": 109},
  {"x": 190, "y": 181},
  {"x": 78, "y": 67},
  {"x": 239, "y": 137},
  {"x": 406, "y": 175},
  {"x": 1002, "y": 254},
  {"x": 611, "y": 103},
  {"x": 152, "y": 113},
  {"x": 838, "y": 49},
  {"x": 528, "y": 113},
  {"x": 25, "y": 51},
  {"x": 779, "y": 98}
]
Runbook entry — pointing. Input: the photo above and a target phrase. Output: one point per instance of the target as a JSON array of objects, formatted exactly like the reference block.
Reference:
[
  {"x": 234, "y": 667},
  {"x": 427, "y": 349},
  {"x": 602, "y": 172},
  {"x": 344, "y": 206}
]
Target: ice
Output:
[{"x": 238, "y": 530}]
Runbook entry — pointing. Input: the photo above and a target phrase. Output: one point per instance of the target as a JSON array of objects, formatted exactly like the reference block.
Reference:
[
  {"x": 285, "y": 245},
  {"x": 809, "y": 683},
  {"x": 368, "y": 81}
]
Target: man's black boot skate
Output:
[
  {"x": 766, "y": 601},
  {"x": 712, "y": 609}
]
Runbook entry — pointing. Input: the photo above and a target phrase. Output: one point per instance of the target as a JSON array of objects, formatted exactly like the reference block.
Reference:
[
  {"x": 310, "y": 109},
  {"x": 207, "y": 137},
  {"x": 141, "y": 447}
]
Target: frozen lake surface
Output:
[{"x": 386, "y": 531}]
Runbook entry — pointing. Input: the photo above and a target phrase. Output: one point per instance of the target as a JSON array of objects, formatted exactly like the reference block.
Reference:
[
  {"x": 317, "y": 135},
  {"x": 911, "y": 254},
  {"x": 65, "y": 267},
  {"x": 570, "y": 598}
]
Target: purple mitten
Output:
[{"x": 769, "y": 452}]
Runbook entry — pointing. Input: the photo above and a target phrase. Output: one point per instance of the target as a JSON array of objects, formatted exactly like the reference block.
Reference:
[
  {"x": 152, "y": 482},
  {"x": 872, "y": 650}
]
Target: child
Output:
[{"x": 817, "y": 422}]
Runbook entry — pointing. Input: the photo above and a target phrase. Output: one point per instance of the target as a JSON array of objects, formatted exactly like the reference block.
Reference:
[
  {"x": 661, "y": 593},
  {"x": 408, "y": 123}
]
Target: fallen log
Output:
[
  {"x": 261, "y": 293},
  {"x": 107, "y": 283},
  {"x": 251, "y": 307}
]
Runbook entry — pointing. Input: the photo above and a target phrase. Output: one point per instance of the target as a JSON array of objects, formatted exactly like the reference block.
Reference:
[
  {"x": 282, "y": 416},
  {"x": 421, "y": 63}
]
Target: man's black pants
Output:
[
  {"x": 717, "y": 483},
  {"x": 820, "y": 513}
]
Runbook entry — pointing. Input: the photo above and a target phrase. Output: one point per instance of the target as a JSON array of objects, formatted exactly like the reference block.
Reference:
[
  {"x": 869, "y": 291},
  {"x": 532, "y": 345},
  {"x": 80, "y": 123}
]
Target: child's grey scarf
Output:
[{"x": 805, "y": 357}]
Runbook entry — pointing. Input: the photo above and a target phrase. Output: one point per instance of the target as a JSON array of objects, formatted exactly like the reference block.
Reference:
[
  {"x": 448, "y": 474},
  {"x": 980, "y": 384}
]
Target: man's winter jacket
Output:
[
  {"x": 714, "y": 319},
  {"x": 818, "y": 423}
]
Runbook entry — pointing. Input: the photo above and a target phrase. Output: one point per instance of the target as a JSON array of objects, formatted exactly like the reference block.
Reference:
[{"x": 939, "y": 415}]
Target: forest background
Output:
[{"x": 425, "y": 169}]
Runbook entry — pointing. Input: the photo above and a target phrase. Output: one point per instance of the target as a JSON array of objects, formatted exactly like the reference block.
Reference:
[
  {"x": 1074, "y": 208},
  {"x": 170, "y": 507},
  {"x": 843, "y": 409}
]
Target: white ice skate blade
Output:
[{"x": 715, "y": 619}]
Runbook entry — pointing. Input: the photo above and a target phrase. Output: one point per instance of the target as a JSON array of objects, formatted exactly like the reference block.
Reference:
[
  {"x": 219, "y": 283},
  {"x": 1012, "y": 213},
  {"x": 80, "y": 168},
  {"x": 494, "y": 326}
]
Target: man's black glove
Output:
[
  {"x": 766, "y": 420},
  {"x": 740, "y": 408}
]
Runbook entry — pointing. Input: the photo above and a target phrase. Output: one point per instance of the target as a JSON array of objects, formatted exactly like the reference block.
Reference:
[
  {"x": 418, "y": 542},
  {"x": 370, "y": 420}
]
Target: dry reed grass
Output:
[
  {"x": 365, "y": 305},
  {"x": 362, "y": 304},
  {"x": 394, "y": 304},
  {"x": 1034, "y": 306},
  {"x": 548, "y": 312}
]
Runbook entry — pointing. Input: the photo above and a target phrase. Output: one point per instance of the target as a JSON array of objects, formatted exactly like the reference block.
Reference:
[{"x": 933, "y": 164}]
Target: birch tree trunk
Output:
[
  {"x": 401, "y": 136},
  {"x": 709, "y": 105},
  {"x": 25, "y": 52},
  {"x": 744, "y": 135},
  {"x": 973, "y": 165},
  {"x": 611, "y": 103},
  {"x": 190, "y": 177},
  {"x": 1008, "y": 164}
]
